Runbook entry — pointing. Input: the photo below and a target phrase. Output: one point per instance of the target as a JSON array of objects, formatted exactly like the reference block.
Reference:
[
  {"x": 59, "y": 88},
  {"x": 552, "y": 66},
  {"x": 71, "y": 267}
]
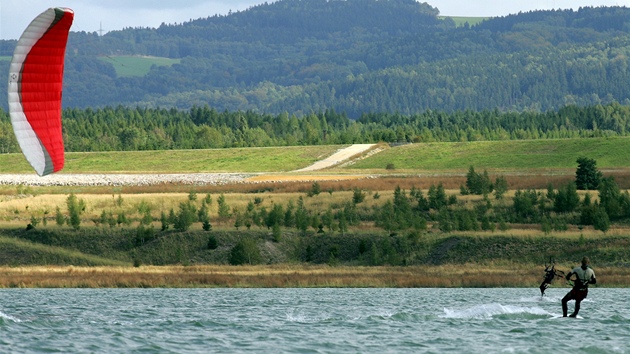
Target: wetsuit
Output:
[
  {"x": 550, "y": 273},
  {"x": 585, "y": 275}
]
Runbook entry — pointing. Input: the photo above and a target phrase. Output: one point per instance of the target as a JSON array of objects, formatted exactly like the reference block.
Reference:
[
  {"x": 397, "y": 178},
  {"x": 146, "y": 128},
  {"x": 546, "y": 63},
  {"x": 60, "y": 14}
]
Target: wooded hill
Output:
[{"x": 355, "y": 56}]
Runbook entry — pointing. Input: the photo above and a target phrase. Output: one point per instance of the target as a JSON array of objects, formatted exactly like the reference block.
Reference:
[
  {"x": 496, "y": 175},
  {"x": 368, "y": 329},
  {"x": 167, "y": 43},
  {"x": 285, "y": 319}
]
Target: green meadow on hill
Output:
[
  {"x": 135, "y": 65},
  {"x": 512, "y": 155}
]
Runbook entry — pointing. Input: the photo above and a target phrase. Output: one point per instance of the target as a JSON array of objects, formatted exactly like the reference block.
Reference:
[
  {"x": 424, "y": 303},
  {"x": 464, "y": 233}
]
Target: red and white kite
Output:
[{"x": 35, "y": 85}]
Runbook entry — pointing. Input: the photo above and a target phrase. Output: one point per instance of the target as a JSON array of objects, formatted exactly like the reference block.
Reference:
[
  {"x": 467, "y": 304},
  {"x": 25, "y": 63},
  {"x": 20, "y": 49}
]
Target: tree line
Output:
[{"x": 131, "y": 129}]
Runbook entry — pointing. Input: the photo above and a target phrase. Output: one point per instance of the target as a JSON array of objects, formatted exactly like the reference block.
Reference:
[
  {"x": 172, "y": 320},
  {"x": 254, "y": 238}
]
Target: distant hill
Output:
[{"x": 355, "y": 56}]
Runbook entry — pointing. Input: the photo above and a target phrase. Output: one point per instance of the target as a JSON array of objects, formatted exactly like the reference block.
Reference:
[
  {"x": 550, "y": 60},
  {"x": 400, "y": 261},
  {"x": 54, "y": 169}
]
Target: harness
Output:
[{"x": 582, "y": 281}]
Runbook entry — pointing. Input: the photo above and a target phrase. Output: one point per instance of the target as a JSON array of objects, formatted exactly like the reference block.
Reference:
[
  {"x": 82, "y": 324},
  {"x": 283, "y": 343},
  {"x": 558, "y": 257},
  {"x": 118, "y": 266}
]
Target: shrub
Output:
[
  {"x": 316, "y": 189},
  {"x": 245, "y": 252},
  {"x": 192, "y": 196},
  {"x": 358, "y": 196},
  {"x": 213, "y": 244}
]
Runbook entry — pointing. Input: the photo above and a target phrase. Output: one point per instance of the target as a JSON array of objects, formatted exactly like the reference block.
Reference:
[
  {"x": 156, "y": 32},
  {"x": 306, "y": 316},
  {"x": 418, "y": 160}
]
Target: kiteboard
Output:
[{"x": 578, "y": 317}]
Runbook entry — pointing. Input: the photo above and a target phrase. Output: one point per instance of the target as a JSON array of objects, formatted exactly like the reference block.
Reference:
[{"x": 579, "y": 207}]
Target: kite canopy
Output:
[{"x": 35, "y": 85}]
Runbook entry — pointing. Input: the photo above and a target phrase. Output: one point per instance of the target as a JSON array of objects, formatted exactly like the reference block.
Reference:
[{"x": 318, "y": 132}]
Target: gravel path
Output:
[{"x": 338, "y": 157}]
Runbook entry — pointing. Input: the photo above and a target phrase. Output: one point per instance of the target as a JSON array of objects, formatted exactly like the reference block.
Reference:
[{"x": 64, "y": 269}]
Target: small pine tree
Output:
[
  {"x": 75, "y": 207},
  {"x": 601, "y": 221},
  {"x": 203, "y": 212},
  {"x": 224, "y": 209},
  {"x": 316, "y": 189},
  {"x": 358, "y": 196},
  {"x": 500, "y": 187},
  {"x": 206, "y": 225},
  {"x": 587, "y": 177},
  {"x": 186, "y": 216},
  {"x": 212, "y": 242},
  {"x": 147, "y": 218},
  {"x": 192, "y": 196}
]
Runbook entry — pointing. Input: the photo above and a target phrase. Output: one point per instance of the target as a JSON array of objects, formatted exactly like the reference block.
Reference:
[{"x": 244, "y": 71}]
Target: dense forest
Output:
[
  {"x": 355, "y": 57},
  {"x": 122, "y": 128}
]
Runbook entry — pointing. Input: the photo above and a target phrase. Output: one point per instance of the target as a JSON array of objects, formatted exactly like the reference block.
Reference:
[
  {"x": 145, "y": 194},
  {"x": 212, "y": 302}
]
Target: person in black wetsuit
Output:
[
  {"x": 550, "y": 274},
  {"x": 584, "y": 276}
]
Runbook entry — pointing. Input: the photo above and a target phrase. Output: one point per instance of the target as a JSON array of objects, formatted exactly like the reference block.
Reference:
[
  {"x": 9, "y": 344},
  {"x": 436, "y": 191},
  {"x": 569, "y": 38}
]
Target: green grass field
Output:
[
  {"x": 127, "y": 66},
  {"x": 272, "y": 159},
  {"x": 515, "y": 155},
  {"x": 460, "y": 21}
]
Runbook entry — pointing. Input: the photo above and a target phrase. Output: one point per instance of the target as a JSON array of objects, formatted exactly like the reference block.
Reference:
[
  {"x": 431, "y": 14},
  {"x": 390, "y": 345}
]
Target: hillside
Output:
[{"x": 355, "y": 57}]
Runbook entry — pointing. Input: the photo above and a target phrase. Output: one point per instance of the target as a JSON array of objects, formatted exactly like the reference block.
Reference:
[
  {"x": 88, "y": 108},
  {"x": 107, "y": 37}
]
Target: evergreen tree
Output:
[
  {"x": 186, "y": 216},
  {"x": 224, "y": 209},
  {"x": 601, "y": 221},
  {"x": 567, "y": 199},
  {"x": 587, "y": 177},
  {"x": 610, "y": 198},
  {"x": 60, "y": 219},
  {"x": 75, "y": 208},
  {"x": 500, "y": 187}
]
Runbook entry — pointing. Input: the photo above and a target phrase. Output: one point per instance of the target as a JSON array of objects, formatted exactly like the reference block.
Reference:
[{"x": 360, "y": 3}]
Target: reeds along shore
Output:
[{"x": 289, "y": 276}]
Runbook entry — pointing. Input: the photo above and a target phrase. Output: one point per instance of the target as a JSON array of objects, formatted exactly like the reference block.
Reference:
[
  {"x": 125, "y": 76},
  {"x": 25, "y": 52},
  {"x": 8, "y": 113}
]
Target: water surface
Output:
[{"x": 310, "y": 321}]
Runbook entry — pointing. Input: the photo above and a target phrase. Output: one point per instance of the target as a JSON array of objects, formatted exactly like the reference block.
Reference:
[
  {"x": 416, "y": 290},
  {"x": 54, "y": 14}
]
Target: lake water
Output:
[{"x": 310, "y": 321}]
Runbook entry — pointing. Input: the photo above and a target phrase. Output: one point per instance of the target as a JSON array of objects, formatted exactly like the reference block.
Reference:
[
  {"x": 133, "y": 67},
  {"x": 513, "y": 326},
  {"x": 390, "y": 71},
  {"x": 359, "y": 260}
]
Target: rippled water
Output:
[{"x": 310, "y": 320}]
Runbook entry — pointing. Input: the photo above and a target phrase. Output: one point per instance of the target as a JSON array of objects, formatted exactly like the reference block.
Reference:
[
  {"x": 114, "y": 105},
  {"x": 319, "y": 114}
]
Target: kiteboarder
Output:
[
  {"x": 550, "y": 274},
  {"x": 584, "y": 276}
]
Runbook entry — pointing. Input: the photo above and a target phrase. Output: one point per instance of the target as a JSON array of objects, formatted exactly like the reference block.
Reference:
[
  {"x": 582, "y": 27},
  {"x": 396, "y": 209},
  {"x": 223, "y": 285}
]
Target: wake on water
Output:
[
  {"x": 4, "y": 317},
  {"x": 489, "y": 311}
]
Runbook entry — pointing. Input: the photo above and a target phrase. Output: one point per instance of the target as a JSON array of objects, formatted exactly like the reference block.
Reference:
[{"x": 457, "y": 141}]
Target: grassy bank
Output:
[
  {"x": 293, "y": 276},
  {"x": 509, "y": 155},
  {"x": 519, "y": 156},
  {"x": 237, "y": 160},
  {"x": 99, "y": 257}
]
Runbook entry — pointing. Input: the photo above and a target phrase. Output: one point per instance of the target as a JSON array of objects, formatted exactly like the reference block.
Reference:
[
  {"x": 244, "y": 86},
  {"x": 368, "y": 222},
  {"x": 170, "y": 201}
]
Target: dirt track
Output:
[{"x": 338, "y": 157}]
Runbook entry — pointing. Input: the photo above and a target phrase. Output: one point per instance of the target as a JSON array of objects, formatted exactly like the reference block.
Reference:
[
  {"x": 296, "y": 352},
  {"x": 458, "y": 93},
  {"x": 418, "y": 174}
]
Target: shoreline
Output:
[{"x": 293, "y": 276}]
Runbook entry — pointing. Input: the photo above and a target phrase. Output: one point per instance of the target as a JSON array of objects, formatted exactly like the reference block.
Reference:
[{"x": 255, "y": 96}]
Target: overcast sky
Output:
[{"x": 15, "y": 15}]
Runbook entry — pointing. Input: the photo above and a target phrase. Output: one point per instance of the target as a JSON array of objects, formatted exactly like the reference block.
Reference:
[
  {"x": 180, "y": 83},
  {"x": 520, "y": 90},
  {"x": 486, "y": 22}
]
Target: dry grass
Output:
[{"x": 290, "y": 276}]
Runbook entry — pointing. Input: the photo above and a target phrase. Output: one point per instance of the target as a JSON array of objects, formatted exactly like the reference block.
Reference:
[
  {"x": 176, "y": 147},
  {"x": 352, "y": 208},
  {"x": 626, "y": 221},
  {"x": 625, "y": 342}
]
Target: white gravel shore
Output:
[
  {"x": 105, "y": 179},
  {"x": 122, "y": 179}
]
